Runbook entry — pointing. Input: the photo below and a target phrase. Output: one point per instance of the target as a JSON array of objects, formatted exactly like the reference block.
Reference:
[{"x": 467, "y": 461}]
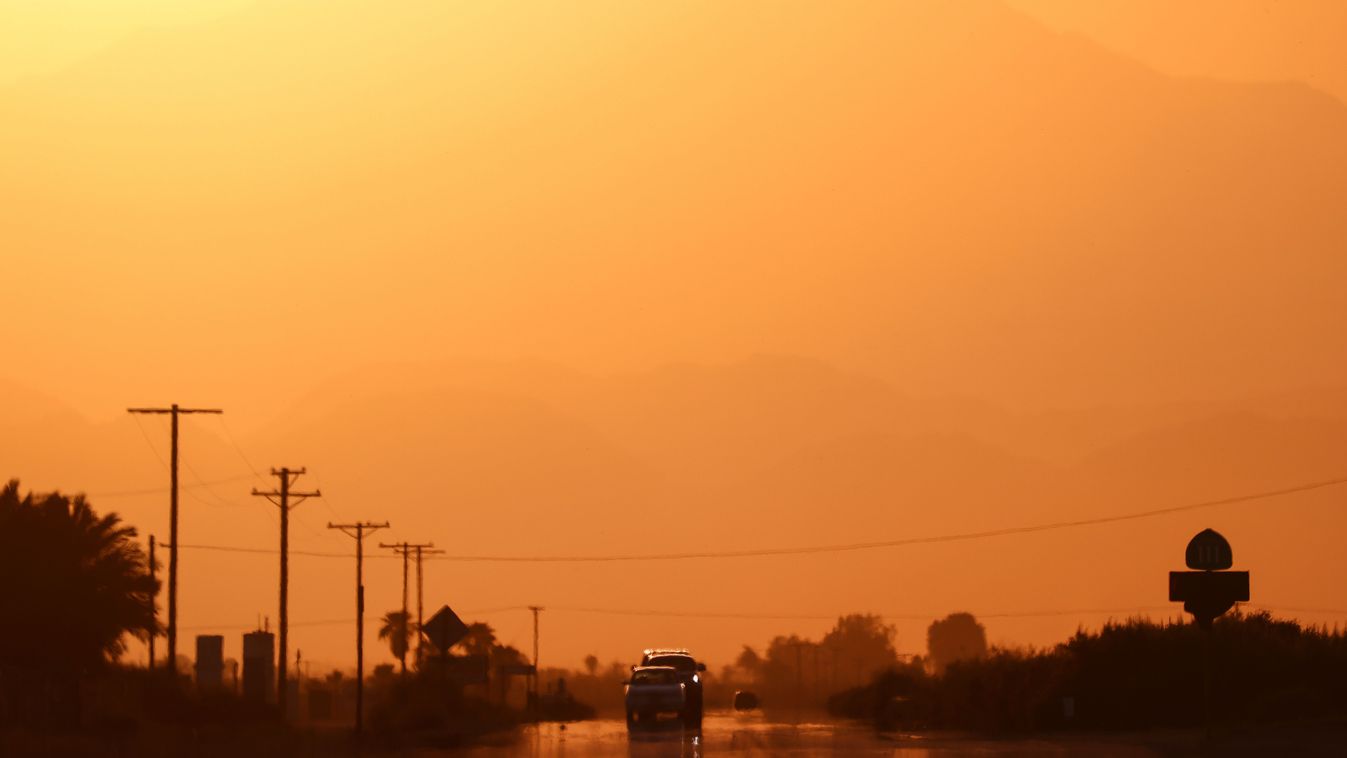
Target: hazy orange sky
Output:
[{"x": 538, "y": 278}]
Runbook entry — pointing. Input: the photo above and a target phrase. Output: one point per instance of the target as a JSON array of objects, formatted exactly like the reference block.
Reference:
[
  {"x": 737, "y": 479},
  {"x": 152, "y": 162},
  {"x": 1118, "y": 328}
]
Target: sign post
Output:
[{"x": 1208, "y": 591}]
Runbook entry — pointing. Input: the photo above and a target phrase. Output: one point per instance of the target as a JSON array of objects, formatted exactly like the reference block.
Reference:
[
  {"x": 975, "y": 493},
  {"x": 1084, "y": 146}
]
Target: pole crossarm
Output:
[
  {"x": 410, "y": 547},
  {"x": 297, "y": 497},
  {"x": 174, "y": 410},
  {"x": 291, "y": 475},
  {"x": 353, "y": 530}
]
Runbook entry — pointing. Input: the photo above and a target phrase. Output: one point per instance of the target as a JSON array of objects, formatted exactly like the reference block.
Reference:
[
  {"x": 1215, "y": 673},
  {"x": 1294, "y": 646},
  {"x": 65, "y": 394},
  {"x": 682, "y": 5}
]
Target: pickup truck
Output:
[
  {"x": 652, "y": 691},
  {"x": 689, "y": 672}
]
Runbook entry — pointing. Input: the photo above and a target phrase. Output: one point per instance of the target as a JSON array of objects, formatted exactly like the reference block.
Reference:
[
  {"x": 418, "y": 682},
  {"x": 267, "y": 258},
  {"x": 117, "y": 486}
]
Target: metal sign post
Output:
[{"x": 1208, "y": 591}]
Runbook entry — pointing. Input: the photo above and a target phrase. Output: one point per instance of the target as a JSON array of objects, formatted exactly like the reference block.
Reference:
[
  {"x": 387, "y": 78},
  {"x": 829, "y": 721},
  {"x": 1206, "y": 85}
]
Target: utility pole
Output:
[
  {"x": 420, "y": 619},
  {"x": 358, "y": 531},
  {"x": 405, "y": 549},
  {"x": 153, "y": 602},
  {"x": 173, "y": 411},
  {"x": 535, "y": 609},
  {"x": 281, "y": 500}
]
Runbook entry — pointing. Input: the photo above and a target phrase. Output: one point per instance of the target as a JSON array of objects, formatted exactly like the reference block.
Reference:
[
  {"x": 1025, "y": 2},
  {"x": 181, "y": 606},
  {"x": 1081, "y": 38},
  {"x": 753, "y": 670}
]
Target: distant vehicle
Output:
[
  {"x": 689, "y": 674},
  {"x": 653, "y": 691},
  {"x": 745, "y": 700}
]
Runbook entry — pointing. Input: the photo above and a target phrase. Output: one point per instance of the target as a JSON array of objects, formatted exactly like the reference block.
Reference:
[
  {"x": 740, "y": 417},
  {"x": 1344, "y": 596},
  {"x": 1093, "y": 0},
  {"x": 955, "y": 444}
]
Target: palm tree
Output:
[
  {"x": 479, "y": 639},
  {"x": 74, "y": 585},
  {"x": 397, "y": 629},
  {"x": 78, "y": 580}
]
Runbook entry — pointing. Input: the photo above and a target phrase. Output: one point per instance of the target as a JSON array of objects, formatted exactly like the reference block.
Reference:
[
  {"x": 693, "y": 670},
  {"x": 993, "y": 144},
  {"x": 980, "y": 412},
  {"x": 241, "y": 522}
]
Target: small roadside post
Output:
[{"x": 1207, "y": 591}]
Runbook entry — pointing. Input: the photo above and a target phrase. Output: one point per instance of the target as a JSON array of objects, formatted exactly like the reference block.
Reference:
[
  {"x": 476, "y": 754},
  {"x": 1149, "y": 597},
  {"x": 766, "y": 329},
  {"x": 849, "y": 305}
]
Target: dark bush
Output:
[{"x": 1133, "y": 674}]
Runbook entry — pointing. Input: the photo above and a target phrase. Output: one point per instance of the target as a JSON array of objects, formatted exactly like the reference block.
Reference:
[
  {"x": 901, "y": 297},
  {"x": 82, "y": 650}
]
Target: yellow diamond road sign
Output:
[{"x": 445, "y": 628}]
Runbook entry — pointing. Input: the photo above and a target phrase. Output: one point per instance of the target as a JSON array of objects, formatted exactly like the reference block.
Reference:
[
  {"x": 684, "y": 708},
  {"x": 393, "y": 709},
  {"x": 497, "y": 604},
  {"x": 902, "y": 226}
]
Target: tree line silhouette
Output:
[
  {"x": 75, "y": 584},
  {"x": 1128, "y": 675}
]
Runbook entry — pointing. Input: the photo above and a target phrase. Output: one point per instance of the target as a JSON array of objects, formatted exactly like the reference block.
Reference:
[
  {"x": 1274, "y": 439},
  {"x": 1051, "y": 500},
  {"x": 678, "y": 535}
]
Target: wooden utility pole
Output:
[
  {"x": 173, "y": 411},
  {"x": 535, "y": 609},
  {"x": 421, "y": 550},
  {"x": 282, "y": 499},
  {"x": 153, "y": 602},
  {"x": 358, "y": 531},
  {"x": 405, "y": 549}
]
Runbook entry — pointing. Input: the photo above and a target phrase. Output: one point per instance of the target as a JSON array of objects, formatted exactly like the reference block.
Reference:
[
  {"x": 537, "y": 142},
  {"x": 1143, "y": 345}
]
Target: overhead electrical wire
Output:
[
  {"x": 163, "y": 490},
  {"x": 902, "y": 542},
  {"x": 229, "y": 436},
  {"x": 839, "y": 548},
  {"x": 905, "y": 616}
]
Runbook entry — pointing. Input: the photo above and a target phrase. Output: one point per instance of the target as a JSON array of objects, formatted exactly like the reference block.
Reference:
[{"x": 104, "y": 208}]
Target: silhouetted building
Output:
[
  {"x": 209, "y": 662},
  {"x": 259, "y": 667}
]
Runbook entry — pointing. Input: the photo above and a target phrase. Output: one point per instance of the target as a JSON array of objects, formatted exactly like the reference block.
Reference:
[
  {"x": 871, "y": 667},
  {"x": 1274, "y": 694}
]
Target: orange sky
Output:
[{"x": 541, "y": 278}]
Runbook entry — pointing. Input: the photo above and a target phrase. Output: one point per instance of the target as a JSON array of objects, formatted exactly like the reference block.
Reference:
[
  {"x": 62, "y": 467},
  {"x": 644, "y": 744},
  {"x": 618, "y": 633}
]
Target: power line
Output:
[
  {"x": 249, "y": 627},
  {"x": 855, "y": 546},
  {"x": 229, "y": 436},
  {"x": 270, "y": 551},
  {"x": 324, "y": 502},
  {"x": 222, "y": 501},
  {"x": 1289, "y": 609},
  {"x": 162, "y": 490},
  {"x": 904, "y": 616},
  {"x": 816, "y": 549},
  {"x": 149, "y": 442}
]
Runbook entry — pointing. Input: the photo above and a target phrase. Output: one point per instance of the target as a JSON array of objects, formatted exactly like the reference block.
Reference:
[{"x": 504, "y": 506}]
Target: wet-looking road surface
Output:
[{"x": 729, "y": 733}]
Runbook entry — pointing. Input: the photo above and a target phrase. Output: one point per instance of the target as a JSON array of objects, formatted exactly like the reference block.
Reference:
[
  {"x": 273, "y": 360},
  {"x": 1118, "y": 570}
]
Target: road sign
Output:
[
  {"x": 516, "y": 669},
  {"x": 1211, "y": 590},
  {"x": 1208, "y": 594},
  {"x": 444, "y": 629},
  {"x": 1209, "y": 551}
]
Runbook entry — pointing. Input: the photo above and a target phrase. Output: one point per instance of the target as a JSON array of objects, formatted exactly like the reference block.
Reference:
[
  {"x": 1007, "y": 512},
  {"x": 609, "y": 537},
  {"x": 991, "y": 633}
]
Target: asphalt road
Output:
[{"x": 729, "y": 733}]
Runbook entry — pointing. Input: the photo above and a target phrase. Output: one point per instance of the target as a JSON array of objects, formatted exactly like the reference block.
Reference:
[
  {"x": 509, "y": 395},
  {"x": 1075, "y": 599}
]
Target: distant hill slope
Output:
[{"x": 527, "y": 459}]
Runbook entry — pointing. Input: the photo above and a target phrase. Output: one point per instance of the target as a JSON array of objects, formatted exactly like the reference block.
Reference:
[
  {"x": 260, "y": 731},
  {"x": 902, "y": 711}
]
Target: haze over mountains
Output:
[
  {"x": 536, "y": 247},
  {"x": 501, "y": 460}
]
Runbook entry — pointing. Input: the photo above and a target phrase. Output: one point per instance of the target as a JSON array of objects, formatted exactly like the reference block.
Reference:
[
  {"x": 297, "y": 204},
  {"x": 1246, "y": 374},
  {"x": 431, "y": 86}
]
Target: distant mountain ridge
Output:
[{"x": 500, "y": 459}]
